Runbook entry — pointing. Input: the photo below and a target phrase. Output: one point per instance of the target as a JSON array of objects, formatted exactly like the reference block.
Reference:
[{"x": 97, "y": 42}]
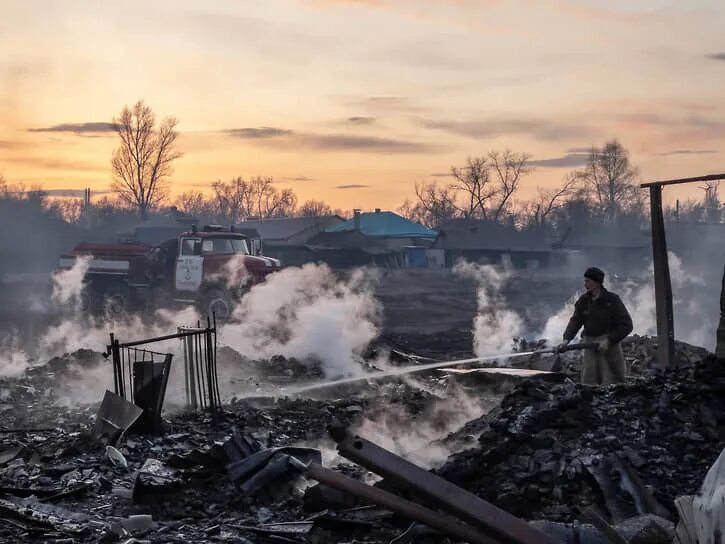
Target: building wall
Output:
[{"x": 519, "y": 259}]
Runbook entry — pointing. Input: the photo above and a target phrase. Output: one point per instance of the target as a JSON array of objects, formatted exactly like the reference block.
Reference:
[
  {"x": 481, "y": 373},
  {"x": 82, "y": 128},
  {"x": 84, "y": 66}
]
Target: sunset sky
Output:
[{"x": 353, "y": 101}]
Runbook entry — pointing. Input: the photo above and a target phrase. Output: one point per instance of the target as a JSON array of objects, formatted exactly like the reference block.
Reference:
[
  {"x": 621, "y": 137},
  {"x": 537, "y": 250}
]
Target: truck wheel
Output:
[
  {"x": 218, "y": 303},
  {"x": 115, "y": 301},
  {"x": 91, "y": 300}
]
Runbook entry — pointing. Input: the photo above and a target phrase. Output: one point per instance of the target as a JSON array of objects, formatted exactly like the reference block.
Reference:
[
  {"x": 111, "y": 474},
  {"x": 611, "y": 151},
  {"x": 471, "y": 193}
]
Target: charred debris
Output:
[{"x": 551, "y": 461}]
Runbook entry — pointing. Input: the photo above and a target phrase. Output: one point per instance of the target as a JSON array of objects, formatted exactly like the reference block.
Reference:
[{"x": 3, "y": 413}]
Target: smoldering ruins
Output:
[{"x": 331, "y": 407}]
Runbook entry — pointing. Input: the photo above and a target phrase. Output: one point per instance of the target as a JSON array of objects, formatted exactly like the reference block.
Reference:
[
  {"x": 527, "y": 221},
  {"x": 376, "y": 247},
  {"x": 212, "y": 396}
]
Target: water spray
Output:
[{"x": 431, "y": 366}]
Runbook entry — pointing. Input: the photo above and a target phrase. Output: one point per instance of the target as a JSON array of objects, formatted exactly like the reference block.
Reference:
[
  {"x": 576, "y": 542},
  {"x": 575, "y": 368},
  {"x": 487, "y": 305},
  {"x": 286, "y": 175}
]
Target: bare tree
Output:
[
  {"x": 434, "y": 205},
  {"x": 485, "y": 185},
  {"x": 314, "y": 208},
  {"x": 538, "y": 211},
  {"x": 196, "y": 204},
  {"x": 473, "y": 182},
  {"x": 144, "y": 159},
  {"x": 711, "y": 202},
  {"x": 509, "y": 168},
  {"x": 258, "y": 197},
  {"x": 268, "y": 201},
  {"x": 609, "y": 181},
  {"x": 69, "y": 209}
]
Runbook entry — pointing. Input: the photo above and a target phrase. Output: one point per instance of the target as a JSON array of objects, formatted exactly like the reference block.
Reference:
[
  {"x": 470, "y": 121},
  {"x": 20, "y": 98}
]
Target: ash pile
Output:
[
  {"x": 550, "y": 450},
  {"x": 257, "y": 470}
]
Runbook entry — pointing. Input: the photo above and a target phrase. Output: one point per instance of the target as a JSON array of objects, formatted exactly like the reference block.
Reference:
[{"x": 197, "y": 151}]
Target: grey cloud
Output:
[
  {"x": 72, "y": 192},
  {"x": 538, "y": 128},
  {"x": 361, "y": 120},
  {"x": 54, "y": 163},
  {"x": 675, "y": 121},
  {"x": 716, "y": 56},
  {"x": 568, "y": 160},
  {"x": 258, "y": 133},
  {"x": 351, "y": 186},
  {"x": 300, "y": 178},
  {"x": 388, "y": 104},
  {"x": 441, "y": 175},
  {"x": 77, "y": 128},
  {"x": 361, "y": 143},
  {"x": 688, "y": 152},
  {"x": 579, "y": 150},
  {"x": 283, "y": 138}
]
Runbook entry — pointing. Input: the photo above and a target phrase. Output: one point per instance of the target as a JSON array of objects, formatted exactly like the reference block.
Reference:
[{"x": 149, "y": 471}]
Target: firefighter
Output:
[{"x": 606, "y": 323}]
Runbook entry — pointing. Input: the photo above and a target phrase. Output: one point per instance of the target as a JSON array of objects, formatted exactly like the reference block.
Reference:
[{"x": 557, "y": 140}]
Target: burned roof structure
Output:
[
  {"x": 489, "y": 242},
  {"x": 286, "y": 238}
]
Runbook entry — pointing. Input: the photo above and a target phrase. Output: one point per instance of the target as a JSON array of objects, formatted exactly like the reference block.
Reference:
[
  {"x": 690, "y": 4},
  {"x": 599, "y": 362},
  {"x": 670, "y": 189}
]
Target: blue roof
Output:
[{"x": 385, "y": 224}]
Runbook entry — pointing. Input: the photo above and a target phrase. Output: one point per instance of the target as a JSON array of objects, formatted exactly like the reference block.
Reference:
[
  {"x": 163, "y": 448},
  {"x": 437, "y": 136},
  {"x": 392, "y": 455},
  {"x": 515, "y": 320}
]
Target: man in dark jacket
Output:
[{"x": 606, "y": 322}]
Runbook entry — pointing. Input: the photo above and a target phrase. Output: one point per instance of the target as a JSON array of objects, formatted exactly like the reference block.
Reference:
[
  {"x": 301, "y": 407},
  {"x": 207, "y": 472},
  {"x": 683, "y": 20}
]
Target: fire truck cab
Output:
[{"x": 210, "y": 268}]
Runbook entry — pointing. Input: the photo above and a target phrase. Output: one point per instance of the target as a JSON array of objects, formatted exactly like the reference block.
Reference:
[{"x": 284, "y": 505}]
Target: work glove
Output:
[
  {"x": 603, "y": 346},
  {"x": 560, "y": 347}
]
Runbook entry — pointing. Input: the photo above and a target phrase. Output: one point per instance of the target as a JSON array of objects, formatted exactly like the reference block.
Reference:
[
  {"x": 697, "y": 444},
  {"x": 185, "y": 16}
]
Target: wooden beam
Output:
[
  {"x": 720, "y": 349},
  {"x": 663, "y": 285},
  {"x": 711, "y": 177}
]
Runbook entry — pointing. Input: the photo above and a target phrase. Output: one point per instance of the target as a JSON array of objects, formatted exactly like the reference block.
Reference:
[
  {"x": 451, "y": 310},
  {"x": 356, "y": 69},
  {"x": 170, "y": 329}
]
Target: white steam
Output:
[
  {"x": 419, "y": 438},
  {"x": 307, "y": 313},
  {"x": 79, "y": 331},
  {"x": 13, "y": 360},
  {"x": 234, "y": 273},
  {"x": 68, "y": 284},
  {"x": 692, "y": 323},
  {"x": 495, "y": 325}
]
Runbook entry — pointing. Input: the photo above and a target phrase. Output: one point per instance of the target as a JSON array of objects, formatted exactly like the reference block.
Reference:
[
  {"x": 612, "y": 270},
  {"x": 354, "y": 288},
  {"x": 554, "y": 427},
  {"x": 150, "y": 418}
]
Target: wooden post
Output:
[
  {"x": 720, "y": 349},
  {"x": 663, "y": 285}
]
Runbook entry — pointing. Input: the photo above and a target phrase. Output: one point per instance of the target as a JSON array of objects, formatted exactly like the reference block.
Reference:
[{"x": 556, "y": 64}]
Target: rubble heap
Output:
[{"x": 549, "y": 449}]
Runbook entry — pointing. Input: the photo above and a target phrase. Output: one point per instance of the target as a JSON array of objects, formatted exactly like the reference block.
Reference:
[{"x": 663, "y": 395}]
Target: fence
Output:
[{"x": 141, "y": 375}]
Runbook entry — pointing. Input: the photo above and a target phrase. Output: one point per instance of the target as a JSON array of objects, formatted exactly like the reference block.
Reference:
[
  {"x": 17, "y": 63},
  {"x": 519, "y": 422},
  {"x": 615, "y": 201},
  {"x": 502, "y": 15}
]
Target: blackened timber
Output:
[
  {"x": 720, "y": 349},
  {"x": 663, "y": 284},
  {"x": 497, "y": 523},
  {"x": 709, "y": 177},
  {"x": 444, "y": 523}
]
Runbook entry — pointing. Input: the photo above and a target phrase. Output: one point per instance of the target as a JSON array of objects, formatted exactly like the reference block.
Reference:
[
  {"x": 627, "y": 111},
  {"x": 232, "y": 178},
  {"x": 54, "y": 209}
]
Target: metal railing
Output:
[{"x": 141, "y": 375}]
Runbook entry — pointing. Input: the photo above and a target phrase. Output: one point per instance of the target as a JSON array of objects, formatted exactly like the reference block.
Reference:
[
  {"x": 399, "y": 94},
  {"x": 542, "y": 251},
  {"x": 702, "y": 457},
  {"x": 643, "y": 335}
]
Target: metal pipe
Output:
[{"x": 404, "y": 507}]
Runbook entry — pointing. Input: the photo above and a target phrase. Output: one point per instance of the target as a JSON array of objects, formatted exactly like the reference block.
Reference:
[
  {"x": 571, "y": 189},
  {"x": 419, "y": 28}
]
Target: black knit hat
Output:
[{"x": 595, "y": 274}]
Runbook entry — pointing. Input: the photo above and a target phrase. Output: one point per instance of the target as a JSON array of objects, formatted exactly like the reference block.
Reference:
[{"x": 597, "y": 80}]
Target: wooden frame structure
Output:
[{"x": 663, "y": 284}]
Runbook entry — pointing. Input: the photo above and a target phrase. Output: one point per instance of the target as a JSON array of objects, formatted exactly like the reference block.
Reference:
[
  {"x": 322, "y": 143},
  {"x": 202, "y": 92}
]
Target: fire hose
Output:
[{"x": 441, "y": 364}]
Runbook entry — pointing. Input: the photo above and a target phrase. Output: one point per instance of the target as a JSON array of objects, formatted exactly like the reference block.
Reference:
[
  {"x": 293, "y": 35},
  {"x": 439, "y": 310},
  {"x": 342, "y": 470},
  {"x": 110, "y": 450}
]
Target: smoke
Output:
[
  {"x": 419, "y": 437},
  {"x": 495, "y": 325},
  {"x": 308, "y": 312},
  {"x": 234, "y": 273},
  {"x": 13, "y": 360},
  {"x": 77, "y": 330},
  {"x": 693, "y": 323},
  {"x": 68, "y": 284}
]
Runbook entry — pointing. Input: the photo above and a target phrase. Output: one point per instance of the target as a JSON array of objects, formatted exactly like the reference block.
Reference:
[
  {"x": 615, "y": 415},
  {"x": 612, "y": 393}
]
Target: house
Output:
[
  {"x": 286, "y": 238},
  {"x": 161, "y": 226},
  {"x": 492, "y": 243},
  {"x": 380, "y": 237},
  {"x": 624, "y": 245},
  {"x": 388, "y": 229}
]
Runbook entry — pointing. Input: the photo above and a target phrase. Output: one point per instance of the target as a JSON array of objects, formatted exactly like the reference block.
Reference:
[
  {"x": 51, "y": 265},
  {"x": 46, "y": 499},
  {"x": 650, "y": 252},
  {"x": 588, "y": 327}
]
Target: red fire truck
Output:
[{"x": 210, "y": 268}]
